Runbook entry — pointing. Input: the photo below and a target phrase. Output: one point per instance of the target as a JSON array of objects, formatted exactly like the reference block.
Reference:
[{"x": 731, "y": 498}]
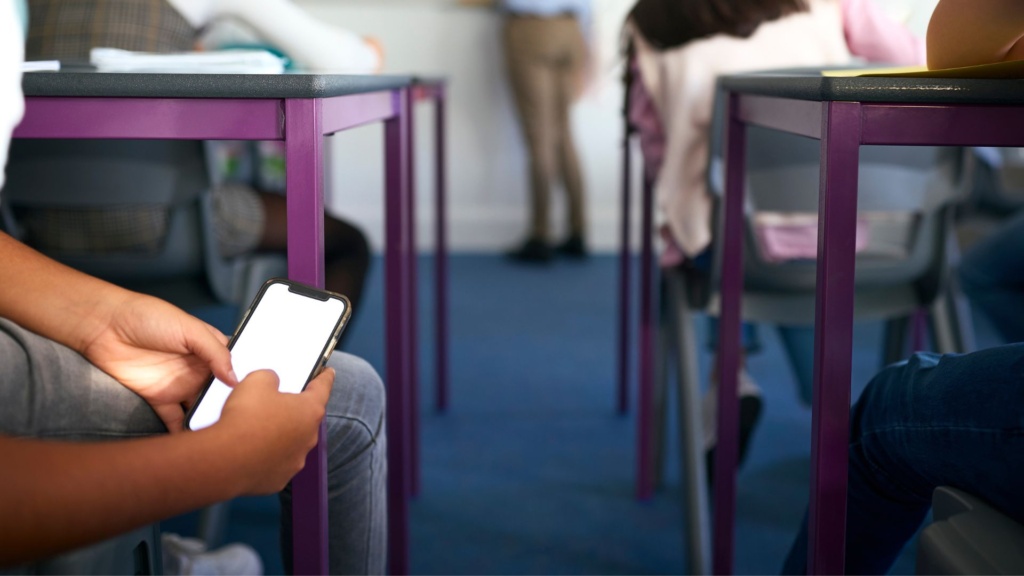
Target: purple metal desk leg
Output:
[
  {"x": 625, "y": 274},
  {"x": 305, "y": 184},
  {"x": 645, "y": 357},
  {"x": 727, "y": 447},
  {"x": 396, "y": 145},
  {"x": 833, "y": 336},
  {"x": 441, "y": 251},
  {"x": 412, "y": 293}
]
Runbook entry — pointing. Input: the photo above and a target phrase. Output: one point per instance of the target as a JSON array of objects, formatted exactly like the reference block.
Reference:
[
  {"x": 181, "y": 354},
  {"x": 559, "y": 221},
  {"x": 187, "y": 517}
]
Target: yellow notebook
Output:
[{"x": 1002, "y": 70}]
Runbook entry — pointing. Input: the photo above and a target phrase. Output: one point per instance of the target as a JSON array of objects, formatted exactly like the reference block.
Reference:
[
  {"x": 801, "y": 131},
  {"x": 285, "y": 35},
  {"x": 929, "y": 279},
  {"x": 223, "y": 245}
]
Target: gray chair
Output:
[
  {"x": 108, "y": 174},
  {"x": 906, "y": 195},
  {"x": 184, "y": 267},
  {"x": 968, "y": 536}
]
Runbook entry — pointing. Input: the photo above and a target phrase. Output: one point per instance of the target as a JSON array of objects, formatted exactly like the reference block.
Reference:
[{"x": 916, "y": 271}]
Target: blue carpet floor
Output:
[{"x": 531, "y": 470}]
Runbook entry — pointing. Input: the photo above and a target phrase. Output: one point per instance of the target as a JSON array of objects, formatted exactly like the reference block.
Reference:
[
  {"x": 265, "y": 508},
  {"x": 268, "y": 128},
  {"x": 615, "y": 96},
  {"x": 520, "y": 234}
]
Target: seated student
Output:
[
  {"x": 681, "y": 48},
  {"x": 936, "y": 420},
  {"x": 246, "y": 218},
  {"x": 92, "y": 377}
]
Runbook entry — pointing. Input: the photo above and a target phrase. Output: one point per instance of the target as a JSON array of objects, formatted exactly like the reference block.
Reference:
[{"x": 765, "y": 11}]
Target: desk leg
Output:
[
  {"x": 833, "y": 336},
  {"x": 396, "y": 145},
  {"x": 625, "y": 269},
  {"x": 441, "y": 252},
  {"x": 645, "y": 343},
  {"x": 412, "y": 293},
  {"x": 304, "y": 145},
  {"x": 727, "y": 447}
]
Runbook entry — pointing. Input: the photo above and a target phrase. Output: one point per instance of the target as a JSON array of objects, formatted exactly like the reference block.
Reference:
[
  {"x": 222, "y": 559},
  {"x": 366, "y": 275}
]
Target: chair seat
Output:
[{"x": 968, "y": 536}]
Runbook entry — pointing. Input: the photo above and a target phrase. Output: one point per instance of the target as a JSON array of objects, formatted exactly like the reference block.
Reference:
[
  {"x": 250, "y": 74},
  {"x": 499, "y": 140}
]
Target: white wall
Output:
[{"x": 487, "y": 169}]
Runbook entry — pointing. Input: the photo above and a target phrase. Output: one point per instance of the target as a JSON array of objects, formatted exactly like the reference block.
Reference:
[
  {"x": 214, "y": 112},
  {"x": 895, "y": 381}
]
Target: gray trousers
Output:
[{"x": 50, "y": 391}]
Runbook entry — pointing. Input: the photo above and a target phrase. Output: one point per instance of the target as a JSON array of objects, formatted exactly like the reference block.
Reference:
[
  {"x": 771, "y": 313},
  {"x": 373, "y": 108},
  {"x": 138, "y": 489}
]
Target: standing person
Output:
[
  {"x": 546, "y": 57},
  {"x": 936, "y": 420},
  {"x": 93, "y": 384}
]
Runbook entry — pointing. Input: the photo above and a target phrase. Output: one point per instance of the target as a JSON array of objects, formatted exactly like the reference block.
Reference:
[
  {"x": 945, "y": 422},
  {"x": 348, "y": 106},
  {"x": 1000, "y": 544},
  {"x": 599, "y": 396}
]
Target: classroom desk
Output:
[
  {"x": 844, "y": 113},
  {"x": 299, "y": 109}
]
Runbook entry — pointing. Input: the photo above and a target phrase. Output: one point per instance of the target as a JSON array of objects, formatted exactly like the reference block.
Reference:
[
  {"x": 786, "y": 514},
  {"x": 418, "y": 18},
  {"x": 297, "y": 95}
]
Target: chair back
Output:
[
  {"x": 969, "y": 536},
  {"x": 904, "y": 199},
  {"x": 100, "y": 175}
]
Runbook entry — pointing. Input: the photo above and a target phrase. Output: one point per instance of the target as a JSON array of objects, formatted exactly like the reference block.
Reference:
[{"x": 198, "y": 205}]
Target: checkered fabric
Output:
[{"x": 68, "y": 29}]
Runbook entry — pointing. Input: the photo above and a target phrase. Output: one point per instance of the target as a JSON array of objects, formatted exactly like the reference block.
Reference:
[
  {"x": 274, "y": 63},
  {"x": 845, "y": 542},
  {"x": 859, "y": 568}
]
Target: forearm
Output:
[
  {"x": 311, "y": 43},
  {"x": 55, "y": 496},
  {"x": 51, "y": 299},
  {"x": 971, "y": 32}
]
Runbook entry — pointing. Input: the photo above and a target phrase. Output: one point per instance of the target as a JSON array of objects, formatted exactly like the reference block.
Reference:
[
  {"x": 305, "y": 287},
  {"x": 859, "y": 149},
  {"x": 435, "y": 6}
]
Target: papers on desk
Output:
[
  {"x": 999, "y": 70},
  {"x": 216, "y": 62},
  {"x": 41, "y": 66}
]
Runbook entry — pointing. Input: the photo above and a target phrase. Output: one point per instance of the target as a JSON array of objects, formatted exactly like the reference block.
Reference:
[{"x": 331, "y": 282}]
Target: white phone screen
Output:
[{"x": 286, "y": 332}]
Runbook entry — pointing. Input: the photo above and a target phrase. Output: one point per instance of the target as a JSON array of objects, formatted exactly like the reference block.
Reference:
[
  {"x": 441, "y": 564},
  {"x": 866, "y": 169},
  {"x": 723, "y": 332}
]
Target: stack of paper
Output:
[{"x": 218, "y": 62}]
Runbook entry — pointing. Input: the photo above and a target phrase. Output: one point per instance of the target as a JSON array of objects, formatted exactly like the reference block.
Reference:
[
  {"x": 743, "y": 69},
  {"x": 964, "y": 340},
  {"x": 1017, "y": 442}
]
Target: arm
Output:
[
  {"x": 873, "y": 35},
  {"x": 311, "y": 43},
  {"x": 59, "y": 495},
  {"x": 971, "y": 32}
]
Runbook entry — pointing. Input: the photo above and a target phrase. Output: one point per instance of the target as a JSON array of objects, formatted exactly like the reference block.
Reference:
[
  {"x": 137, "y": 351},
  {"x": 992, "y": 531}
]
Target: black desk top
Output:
[
  {"x": 138, "y": 85},
  {"x": 809, "y": 84}
]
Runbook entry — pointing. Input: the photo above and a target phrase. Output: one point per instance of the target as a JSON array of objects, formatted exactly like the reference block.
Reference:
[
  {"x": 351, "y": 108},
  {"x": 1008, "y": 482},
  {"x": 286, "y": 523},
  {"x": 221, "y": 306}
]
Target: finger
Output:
[
  {"x": 172, "y": 416},
  {"x": 220, "y": 336},
  {"x": 262, "y": 378},
  {"x": 210, "y": 345},
  {"x": 319, "y": 388}
]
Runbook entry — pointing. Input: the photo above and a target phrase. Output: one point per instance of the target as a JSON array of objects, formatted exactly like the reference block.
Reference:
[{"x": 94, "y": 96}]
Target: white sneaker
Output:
[{"x": 189, "y": 556}]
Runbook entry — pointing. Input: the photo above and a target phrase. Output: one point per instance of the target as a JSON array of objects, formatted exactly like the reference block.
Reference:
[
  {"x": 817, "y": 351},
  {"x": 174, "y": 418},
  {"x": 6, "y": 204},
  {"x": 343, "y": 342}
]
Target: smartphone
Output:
[{"x": 290, "y": 328}]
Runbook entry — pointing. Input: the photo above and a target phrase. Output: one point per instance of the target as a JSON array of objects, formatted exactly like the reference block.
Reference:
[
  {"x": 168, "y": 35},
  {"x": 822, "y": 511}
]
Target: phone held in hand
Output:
[{"x": 290, "y": 328}]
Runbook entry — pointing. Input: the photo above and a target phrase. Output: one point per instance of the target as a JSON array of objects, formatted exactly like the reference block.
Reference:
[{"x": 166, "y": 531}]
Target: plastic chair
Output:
[
  {"x": 185, "y": 267},
  {"x": 968, "y": 536},
  {"x": 908, "y": 194}
]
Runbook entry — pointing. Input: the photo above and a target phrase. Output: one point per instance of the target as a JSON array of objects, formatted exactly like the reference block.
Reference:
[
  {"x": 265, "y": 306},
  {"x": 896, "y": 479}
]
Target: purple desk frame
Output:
[
  {"x": 433, "y": 89},
  {"x": 844, "y": 114},
  {"x": 302, "y": 123}
]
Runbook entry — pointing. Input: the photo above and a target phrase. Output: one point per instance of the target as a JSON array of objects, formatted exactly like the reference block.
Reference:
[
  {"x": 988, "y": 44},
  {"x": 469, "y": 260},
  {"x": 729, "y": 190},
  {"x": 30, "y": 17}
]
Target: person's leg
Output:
[
  {"x": 952, "y": 420},
  {"x": 570, "y": 74},
  {"x": 50, "y": 391},
  {"x": 356, "y": 472},
  {"x": 346, "y": 250},
  {"x": 992, "y": 276},
  {"x": 533, "y": 86}
]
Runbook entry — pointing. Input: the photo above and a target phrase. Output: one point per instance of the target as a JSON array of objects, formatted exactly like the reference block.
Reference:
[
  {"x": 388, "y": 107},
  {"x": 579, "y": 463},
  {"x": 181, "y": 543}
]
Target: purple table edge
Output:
[
  {"x": 842, "y": 124},
  {"x": 302, "y": 124}
]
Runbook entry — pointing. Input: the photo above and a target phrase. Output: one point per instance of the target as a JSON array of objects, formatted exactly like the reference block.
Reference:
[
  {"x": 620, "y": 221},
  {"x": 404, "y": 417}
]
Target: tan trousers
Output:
[{"x": 545, "y": 60}]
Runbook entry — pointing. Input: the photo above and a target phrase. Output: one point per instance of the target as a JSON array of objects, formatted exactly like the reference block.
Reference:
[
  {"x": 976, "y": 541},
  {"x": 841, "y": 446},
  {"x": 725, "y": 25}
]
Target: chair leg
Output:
[
  {"x": 951, "y": 323},
  {"x": 894, "y": 341},
  {"x": 212, "y": 523},
  {"x": 659, "y": 396},
  {"x": 691, "y": 445}
]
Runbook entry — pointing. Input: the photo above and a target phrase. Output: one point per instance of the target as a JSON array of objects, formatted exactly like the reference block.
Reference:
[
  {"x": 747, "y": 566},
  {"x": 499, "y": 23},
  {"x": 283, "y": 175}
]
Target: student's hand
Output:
[
  {"x": 276, "y": 430},
  {"x": 161, "y": 353}
]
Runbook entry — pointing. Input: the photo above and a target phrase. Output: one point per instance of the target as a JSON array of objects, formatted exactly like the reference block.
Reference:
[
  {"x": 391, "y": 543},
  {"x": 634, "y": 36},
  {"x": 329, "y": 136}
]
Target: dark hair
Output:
[{"x": 671, "y": 23}]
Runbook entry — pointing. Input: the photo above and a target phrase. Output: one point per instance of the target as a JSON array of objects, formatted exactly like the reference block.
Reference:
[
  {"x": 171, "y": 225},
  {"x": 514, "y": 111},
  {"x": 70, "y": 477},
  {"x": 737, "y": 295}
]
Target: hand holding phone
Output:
[
  {"x": 272, "y": 432},
  {"x": 290, "y": 329}
]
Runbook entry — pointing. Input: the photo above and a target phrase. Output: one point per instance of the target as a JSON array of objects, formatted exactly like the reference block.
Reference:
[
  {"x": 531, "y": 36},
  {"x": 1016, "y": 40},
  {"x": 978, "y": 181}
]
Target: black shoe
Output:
[
  {"x": 533, "y": 251},
  {"x": 573, "y": 247},
  {"x": 750, "y": 413}
]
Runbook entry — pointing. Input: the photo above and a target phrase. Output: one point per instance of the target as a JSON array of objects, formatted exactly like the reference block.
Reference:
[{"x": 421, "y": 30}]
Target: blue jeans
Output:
[
  {"x": 992, "y": 276},
  {"x": 933, "y": 420},
  {"x": 49, "y": 391}
]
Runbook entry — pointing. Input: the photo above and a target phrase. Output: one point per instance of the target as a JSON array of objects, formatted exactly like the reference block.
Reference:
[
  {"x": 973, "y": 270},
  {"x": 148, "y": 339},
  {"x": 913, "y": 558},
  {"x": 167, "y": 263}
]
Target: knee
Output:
[{"x": 356, "y": 409}]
